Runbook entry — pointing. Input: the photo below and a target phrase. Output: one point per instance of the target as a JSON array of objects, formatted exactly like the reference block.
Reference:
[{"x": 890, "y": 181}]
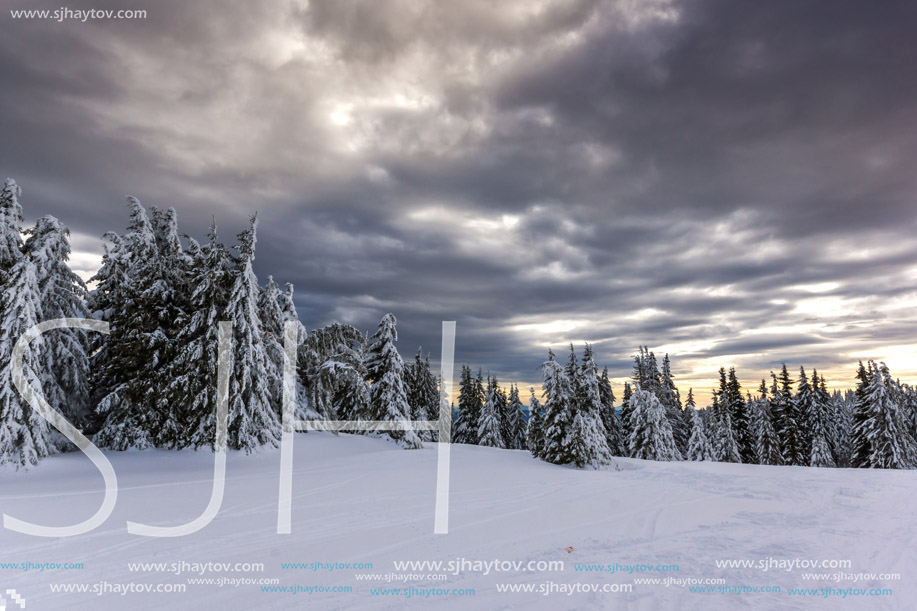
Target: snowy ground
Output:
[{"x": 363, "y": 500}]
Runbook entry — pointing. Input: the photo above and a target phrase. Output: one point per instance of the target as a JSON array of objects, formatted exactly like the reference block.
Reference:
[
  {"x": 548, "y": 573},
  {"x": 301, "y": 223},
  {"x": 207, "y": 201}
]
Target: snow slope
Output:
[{"x": 357, "y": 499}]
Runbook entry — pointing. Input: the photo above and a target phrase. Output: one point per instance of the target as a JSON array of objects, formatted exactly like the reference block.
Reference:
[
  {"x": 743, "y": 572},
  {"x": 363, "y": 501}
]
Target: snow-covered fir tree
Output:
[
  {"x": 385, "y": 370},
  {"x": 820, "y": 454},
  {"x": 613, "y": 433},
  {"x": 591, "y": 449},
  {"x": 651, "y": 434},
  {"x": 721, "y": 432},
  {"x": 534, "y": 430},
  {"x": 489, "y": 422},
  {"x": 767, "y": 442},
  {"x": 253, "y": 421},
  {"x": 698, "y": 444},
  {"x": 25, "y": 437},
  {"x": 516, "y": 439},
  {"x": 735, "y": 404},
  {"x": 470, "y": 401},
  {"x": 786, "y": 417},
  {"x": 64, "y": 359},
  {"x": 125, "y": 367},
  {"x": 192, "y": 391},
  {"x": 423, "y": 393},
  {"x": 557, "y": 393},
  {"x": 880, "y": 432}
]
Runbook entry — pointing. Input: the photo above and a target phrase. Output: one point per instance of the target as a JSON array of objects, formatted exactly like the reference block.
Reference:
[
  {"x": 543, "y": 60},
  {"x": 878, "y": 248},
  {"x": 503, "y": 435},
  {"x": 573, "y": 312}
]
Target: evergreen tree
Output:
[
  {"x": 594, "y": 452},
  {"x": 738, "y": 413},
  {"x": 125, "y": 369},
  {"x": 613, "y": 433},
  {"x": 25, "y": 436},
  {"x": 253, "y": 421},
  {"x": 516, "y": 428},
  {"x": 64, "y": 360},
  {"x": 651, "y": 434},
  {"x": 698, "y": 444},
  {"x": 557, "y": 420},
  {"x": 489, "y": 425},
  {"x": 10, "y": 229},
  {"x": 768, "y": 442},
  {"x": 534, "y": 431},
  {"x": 805, "y": 409},
  {"x": 670, "y": 399},
  {"x": 787, "y": 419},
  {"x": 820, "y": 454},
  {"x": 880, "y": 433},
  {"x": 625, "y": 416},
  {"x": 271, "y": 314},
  {"x": 385, "y": 370},
  {"x": 465, "y": 429},
  {"x": 723, "y": 442},
  {"x": 192, "y": 391}
]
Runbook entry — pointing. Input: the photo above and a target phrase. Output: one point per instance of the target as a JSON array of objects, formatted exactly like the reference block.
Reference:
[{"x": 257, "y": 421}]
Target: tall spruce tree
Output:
[
  {"x": 489, "y": 422},
  {"x": 25, "y": 437},
  {"x": 556, "y": 390},
  {"x": 385, "y": 370},
  {"x": 465, "y": 429},
  {"x": 64, "y": 360},
  {"x": 651, "y": 434},
  {"x": 613, "y": 433},
  {"x": 880, "y": 435},
  {"x": 253, "y": 420},
  {"x": 786, "y": 417},
  {"x": 534, "y": 431},
  {"x": 516, "y": 439},
  {"x": 767, "y": 441}
]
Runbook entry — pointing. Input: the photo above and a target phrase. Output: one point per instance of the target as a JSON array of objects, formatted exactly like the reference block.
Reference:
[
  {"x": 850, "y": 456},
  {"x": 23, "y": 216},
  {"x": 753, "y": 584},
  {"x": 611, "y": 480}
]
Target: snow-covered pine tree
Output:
[
  {"x": 723, "y": 439},
  {"x": 767, "y": 441},
  {"x": 272, "y": 318},
  {"x": 502, "y": 403},
  {"x": 625, "y": 417},
  {"x": 465, "y": 428},
  {"x": 698, "y": 444},
  {"x": 534, "y": 430},
  {"x": 557, "y": 393},
  {"x": 786, "y": 418},
  {"x": 253, "y": 421},
  {"x": 516, "y": 439},
  {"x": 10, "y": 228},
  {"x": 738, "y": 413},
  {"x": 594, "y": 452},
  {"x": 166, "y": 299},
  {"x": 613, "y": 433},
  {"x": 880, "y": 436},
  {"x": 651, "y": 434},
  {"x": 385, "y": 371},
  {"x": 805, "y": 409},
  {"x": 820, "y": 454},
  {"x": 64, "y": 360},
  {"x": 25, "y": 437},
  {"x": 423, "y": 393},
  {"x": 125, "y": 368},
  {"x": 839, "y": 430},
  {"x": 489, "y": 422},
  {"x": 192, "y": 390},
  {"x": 671, "y": 400}
]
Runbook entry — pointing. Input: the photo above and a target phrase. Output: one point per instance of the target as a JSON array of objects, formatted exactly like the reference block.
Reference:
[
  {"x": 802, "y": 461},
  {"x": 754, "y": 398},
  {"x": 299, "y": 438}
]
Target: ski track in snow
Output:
[{"x": 357, "y": 499}]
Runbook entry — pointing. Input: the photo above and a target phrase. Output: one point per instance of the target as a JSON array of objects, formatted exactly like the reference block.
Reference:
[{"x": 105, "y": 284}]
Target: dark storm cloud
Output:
[{"x": 715, "y": 179}]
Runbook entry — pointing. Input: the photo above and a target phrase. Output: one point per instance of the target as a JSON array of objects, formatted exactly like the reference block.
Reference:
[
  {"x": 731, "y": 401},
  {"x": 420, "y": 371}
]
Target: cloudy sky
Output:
[{"x": 729, "y": 182}]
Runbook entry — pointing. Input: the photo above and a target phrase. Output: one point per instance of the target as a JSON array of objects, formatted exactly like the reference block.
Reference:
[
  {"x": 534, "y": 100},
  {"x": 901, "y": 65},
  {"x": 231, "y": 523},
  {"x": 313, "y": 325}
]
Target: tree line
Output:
[{"x": 787, "y": 422}]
